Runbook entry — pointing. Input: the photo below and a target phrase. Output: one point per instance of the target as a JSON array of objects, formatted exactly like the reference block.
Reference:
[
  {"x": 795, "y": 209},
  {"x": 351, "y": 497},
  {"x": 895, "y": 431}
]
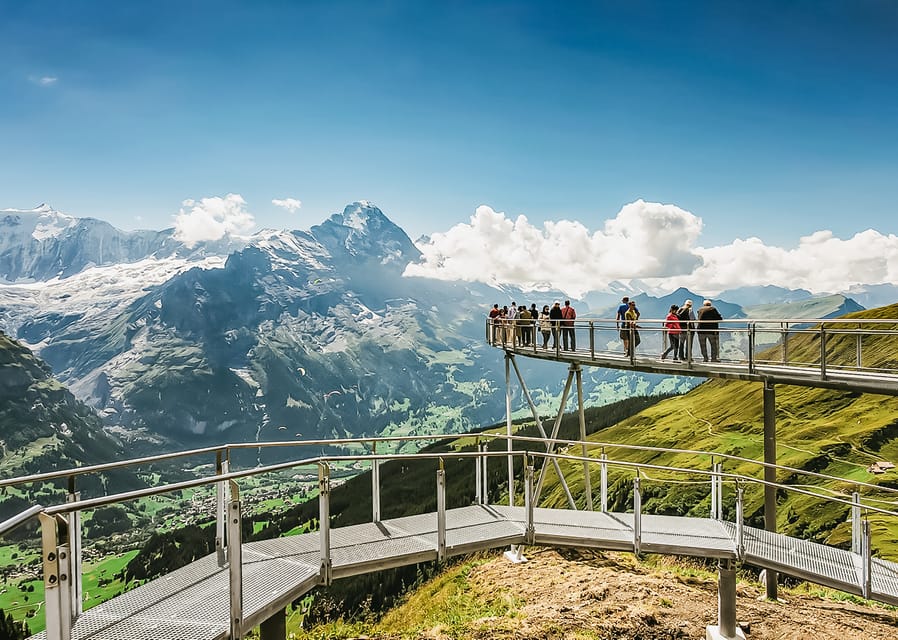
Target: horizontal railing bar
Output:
[
  {"x": 102, "y": 501},
  {"x": 726, "y": 456},
  {"x": 107, "y": 466},
  {"x": 709, "y": 473},
  {"x": 11, "y": 523}
]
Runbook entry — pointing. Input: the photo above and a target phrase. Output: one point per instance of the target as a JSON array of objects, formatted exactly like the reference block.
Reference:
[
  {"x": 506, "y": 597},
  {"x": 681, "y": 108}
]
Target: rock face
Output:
[
  {"x": 42, "y": 425},
  {"x": 298, "y": 332}
]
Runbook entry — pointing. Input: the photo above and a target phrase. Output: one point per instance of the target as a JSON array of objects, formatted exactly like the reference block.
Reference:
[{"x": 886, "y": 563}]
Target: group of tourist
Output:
[
  {"x": 682, "y": 325},
  {"x": 518, "y": 325}
]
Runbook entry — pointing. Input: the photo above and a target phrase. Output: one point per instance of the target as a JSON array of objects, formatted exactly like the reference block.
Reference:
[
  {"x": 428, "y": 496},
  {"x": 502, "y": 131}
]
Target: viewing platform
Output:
[{"x": 828, "y": 353}]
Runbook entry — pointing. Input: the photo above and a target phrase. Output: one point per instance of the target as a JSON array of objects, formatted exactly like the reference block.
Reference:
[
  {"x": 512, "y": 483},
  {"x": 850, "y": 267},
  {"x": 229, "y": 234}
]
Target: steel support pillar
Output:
[
  {"x": 275, "y": 628},
  {"x": 770, "y": 474},
  {"x": 587, "y": 481},
  {"x": 726, "y": 628},
  {"x": 508, "y": 360},
  {"x": 550, "y": 447},
  {"x": 542, "y": 431}
]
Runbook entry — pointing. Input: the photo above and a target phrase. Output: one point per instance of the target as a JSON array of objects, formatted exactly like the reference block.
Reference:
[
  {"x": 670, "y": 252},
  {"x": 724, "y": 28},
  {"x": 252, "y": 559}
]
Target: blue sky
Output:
[{"x": 765, "y": 119}]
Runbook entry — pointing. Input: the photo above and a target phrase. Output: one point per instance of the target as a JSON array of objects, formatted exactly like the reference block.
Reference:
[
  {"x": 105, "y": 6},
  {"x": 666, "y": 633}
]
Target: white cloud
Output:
[
  {"x": 652, "y": 242},
  {"x": 644, "y": 240},
  {"x": 290, "y": 204},
  {"x": 43, "y": 81},
  {"x": 212, "y": 218}
]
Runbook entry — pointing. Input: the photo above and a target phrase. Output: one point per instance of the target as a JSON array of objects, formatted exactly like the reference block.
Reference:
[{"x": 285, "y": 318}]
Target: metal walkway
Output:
[
  {"x": 244, "y": 585},
  {"x": 826, "y": 353},
  {"x": 192, "y": 603}
]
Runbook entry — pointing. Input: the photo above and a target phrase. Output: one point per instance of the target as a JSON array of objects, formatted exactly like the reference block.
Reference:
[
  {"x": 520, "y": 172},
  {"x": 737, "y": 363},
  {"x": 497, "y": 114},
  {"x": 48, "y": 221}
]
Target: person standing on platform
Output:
[
  {"x": 512, "y": 318},
  {"x": 673, "y": 330},
  {"x": 568, "y": 336},
  {"x": 709, "y": 331},
  {"x": 622, "y": 321},
  {"x": 525, "y": 324},
  {"x": 555, "y": 318},
  {"x": 687, "y": 326},
  {"x": 494, "y": 315},
  {"x": 545, "y": 325},
  {"x": 630, "y": 328}
]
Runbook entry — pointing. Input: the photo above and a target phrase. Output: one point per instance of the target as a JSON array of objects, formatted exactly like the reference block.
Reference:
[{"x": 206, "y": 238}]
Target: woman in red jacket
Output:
[{"x": 673, "y": 328}]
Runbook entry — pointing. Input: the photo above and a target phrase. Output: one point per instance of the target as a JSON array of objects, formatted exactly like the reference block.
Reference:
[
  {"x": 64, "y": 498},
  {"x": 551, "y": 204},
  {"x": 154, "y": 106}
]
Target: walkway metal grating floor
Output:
[{"x": 192, "y": 602}]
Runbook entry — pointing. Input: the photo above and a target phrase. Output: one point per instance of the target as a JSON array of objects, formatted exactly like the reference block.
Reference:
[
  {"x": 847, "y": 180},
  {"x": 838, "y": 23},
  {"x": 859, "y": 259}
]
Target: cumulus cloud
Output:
[
  {"x": 290, "y": 204},
  {"x": 644, "y": 240},
  {"x": 821, "y": 262},
  {"x": 212, "y": 218},
  {"x": 650, "y": 242}
]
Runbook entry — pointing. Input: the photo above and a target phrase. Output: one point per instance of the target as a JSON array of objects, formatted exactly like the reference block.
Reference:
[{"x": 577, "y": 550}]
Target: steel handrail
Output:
[
  {"x": 119, "y": 464},
  {"x": 725, "y": 456},
  {"x": 19, "y": 519},
  {"x": 126, "y": 496},
  {"x": 209, "y": 480},
  {"x": 710, "y": 473}
]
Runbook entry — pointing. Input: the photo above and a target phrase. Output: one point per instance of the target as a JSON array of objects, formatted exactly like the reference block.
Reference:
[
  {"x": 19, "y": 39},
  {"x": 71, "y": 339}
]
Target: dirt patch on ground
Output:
[{"x": 571, "y": 594}]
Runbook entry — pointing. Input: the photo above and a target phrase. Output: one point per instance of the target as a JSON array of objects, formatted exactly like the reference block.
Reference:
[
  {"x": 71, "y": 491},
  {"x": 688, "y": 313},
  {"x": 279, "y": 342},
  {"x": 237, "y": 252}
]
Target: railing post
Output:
[
  {"x": 769, "y": 395},
  {"x": 235, "y": 563},
  {"x": 740, "y": 532},
  {"x": 856, "y": 524},
  {"x": 375, "y": 490},
  {"x": 822, "y": 352},
  {"x": 75, "y": 555},
  {"x": 858, "y": 359},
  {"x": 528, "y": 502},
  {"x": 56, "y": 569},
  {"x": 867, "y": 561},
  {"x": 478, "y": 476},
  {"x": 637, "y": 516},
  {"x": 324, "y": 520},
  {"x": 713, "y": 514},
  {"x": 603, "y": 469},
  {"x": 592, "y": 340},
  {"x": 751, "y": 347},
  {"x": 784, "y": 327},
  {"x": 719, "y": 478},
  {"x": 441, "y": 512},
  {"x": 221, "y": 488}
]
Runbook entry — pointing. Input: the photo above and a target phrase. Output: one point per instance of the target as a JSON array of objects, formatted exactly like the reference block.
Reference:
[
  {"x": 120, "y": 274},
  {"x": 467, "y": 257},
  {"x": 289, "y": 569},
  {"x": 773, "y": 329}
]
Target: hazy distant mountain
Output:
[
  {"x": 873, "y": 295},
  {"x": 767, "y": 294},
  {"x": 818, "y": 307},
  {"x": 651, "y": 307}
]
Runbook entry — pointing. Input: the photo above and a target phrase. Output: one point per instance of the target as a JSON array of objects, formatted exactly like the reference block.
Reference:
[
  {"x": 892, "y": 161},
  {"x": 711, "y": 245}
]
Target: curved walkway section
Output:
[
  {"x": 192, "y": 602},
  {"x": 833, "y": 354}
]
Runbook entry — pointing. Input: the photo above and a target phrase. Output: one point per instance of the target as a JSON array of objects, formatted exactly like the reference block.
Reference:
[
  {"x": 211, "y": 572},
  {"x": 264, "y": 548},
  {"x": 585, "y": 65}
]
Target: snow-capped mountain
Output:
[
  {"x": 41, "y": 244},
  {"x": 298, "y": 332}
]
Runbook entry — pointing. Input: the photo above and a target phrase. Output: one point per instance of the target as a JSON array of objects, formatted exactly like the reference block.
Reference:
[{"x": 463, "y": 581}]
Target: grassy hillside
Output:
[{"x": 830, "y": 432}]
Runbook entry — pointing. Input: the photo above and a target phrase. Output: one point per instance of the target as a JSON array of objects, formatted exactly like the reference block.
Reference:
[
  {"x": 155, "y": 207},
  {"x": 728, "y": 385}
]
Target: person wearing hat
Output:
[
  {"x": 687, "y": 325},
  {"x": 709, "y": 331},
  {"x": 555, "y": 316}
]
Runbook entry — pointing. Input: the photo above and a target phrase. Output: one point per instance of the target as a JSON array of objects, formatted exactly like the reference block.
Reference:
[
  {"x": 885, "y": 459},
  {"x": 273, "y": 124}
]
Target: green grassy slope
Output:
[{"x": 830, "y": 432}]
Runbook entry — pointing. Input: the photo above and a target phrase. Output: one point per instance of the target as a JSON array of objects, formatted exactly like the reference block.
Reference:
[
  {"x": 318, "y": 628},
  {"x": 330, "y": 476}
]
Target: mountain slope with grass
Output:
[
  {"x": 831, "y": 432},
  {"x": 42, "y": 426}
]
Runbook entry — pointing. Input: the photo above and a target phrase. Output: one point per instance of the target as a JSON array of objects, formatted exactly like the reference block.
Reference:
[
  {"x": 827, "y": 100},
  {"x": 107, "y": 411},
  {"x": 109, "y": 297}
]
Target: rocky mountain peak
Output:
[{"x": 363, "y": 232}]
